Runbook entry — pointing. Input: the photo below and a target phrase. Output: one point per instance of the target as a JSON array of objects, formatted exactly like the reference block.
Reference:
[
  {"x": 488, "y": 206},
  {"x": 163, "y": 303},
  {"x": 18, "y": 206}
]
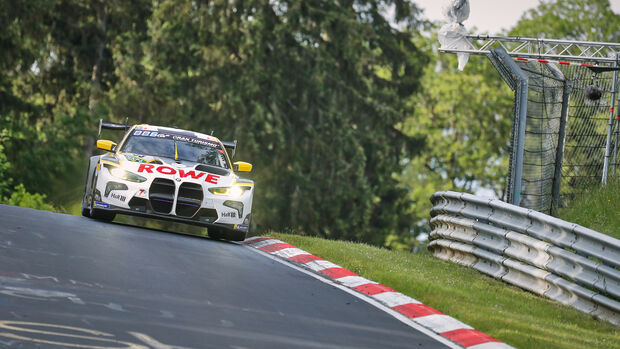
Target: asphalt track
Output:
[{"x": 68, "y": 281}]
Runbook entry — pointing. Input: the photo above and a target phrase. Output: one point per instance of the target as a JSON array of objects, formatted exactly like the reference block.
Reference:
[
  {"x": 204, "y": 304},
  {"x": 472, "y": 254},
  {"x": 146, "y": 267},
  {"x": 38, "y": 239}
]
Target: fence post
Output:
[
  {"x": 610, "y": 125},
  {"x": 521, "y": 92},
  {"x": 615, "y": 160},
  {"x": 559, "y": 154}
]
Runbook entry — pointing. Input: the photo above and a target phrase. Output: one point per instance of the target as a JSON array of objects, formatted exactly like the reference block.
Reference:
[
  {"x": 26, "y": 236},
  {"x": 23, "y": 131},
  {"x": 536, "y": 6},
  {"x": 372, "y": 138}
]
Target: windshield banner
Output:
[{"x": 176, "y": 137}]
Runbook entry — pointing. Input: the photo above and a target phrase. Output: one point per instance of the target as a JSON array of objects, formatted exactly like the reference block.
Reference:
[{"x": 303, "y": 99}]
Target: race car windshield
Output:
[{"x": 176, "y": 147}]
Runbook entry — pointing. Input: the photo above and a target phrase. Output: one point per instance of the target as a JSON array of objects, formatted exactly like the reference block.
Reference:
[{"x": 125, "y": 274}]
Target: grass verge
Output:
[
  {"x": 514, "y": 316},
  {"x": 597, "y": 209}
]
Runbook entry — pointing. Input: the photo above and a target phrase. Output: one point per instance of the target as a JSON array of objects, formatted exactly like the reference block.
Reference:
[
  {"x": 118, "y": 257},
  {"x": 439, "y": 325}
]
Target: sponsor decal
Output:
[
  {"x": 134, "y": 158},
  {"x": 195, "y": 141},
  {"x": 146, "y": 127},
  {"x": 102, "y": 205},
  {"x": 166, "y": 170},
  {"x": 141, "y": 193},
  {"x": 243, "y": 227},
  {"x": 118, "y": 197},
  {"x": 149, "y": 134},
  {"x": 176, "y": 137},
  {"x": 191, "y": 173},
  {"x": 230, "y": 214}
]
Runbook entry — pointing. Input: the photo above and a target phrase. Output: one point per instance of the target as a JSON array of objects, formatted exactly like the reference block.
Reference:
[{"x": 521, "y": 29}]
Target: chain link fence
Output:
[
  {"x": 586, "y": 131},
  {"x": 561, "y": 151}
]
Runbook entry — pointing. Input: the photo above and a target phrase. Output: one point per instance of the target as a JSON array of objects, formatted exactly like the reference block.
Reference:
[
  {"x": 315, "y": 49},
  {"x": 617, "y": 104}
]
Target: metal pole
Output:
[
  {"x": 559, "y": 154},
  {"x": 610, "y": 125},
  {"x": 521, "y": 97},
  {"x": 615, "y": 161},
  {"x": 522, "y": 91}
]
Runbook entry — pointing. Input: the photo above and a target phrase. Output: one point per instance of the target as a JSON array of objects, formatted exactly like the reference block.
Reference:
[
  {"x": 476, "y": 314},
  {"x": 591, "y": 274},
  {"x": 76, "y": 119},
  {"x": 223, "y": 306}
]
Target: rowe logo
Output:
[{"x": 165, "y": 170}]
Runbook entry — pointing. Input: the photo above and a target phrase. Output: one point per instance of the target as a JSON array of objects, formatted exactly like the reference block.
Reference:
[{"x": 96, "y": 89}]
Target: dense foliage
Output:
[
  {"x": 591, "y": 20},
  {"x": 349, "y": 115},
  {"x": 313, "y": 91}
]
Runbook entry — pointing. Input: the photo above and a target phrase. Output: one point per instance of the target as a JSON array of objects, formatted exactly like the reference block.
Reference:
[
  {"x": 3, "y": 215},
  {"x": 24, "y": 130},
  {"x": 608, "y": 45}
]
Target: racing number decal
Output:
[{"x": 165, "y": 170}]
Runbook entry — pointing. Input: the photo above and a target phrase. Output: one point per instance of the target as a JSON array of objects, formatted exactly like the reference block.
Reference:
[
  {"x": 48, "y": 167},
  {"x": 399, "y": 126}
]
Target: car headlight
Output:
[
  {"x": 123, "y": 174},
  {"x": 235, "y": 191}
]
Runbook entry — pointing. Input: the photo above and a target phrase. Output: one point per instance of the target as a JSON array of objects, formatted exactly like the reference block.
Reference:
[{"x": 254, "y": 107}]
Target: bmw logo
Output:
[{"x": 178, "y": 179}]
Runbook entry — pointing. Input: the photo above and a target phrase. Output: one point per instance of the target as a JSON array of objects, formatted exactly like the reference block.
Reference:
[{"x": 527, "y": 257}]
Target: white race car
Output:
[{"x": 172, "y": 174}]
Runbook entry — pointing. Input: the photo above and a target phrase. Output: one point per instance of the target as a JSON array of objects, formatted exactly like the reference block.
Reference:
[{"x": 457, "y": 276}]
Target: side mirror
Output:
[
  {"x": 241, "y": 166},
  {"x": 106, "y": 145}
]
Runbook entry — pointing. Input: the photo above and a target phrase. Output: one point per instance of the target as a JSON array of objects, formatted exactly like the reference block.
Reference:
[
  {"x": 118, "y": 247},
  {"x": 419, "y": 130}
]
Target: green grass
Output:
[
  {"x": 598, "y": 209},
  {"x": 514, "y": 316}
]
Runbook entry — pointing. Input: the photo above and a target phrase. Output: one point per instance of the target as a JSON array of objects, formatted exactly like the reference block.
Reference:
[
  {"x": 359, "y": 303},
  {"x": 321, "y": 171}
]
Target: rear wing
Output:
[
  {"x": 230, "y": 145},
  {"x": 113, "y": 126}
]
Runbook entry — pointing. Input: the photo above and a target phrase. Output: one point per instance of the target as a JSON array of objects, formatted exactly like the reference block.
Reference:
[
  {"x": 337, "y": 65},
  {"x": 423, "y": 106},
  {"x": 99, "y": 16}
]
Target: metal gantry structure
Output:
[
  {"x": 596, "y": 56},
  {"x": 546, "y": 49}
]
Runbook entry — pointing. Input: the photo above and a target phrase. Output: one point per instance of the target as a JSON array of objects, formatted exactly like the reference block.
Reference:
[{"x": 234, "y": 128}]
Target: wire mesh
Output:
[
  {"x": 544, "y": 112},
  {"x": 580, "y": 153},
  {"x": 586, "y": 132}
]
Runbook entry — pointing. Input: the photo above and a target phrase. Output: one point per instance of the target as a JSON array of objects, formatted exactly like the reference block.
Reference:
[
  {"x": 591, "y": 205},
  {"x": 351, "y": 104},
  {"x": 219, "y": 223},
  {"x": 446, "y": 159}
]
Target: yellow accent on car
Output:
[
  {"x": 243, "y": 166},
  {"x": 120, "y": 146},
  {"x": 104, "y": 144},
  {"x": 242, "y": 184},
  {"x": 220, "y": 191},
  {"x": 235, "y": 191}
]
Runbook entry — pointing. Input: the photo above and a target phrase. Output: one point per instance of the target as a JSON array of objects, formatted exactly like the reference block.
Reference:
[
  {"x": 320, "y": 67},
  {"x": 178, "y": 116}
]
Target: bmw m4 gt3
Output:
[{"x": 172, "y": 174}]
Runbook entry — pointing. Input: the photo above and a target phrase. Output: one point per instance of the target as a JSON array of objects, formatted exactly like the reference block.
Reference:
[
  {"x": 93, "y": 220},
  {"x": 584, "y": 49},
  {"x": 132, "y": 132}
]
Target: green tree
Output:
[
  {"x": 568, "y": 20},
  {"x": 56, "y": 71},
  {"x": 591, "y": 20},
  {"x": 465, "y": 119},
  {"x": 466, "y": 116},
  {"x": 20, "y": 197},
  {"x": 313, "y": 90}
]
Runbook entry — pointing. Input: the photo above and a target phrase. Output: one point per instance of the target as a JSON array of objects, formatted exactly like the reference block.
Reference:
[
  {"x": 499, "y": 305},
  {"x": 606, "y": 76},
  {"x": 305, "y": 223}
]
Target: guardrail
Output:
[{"x": 563, "y": 261}]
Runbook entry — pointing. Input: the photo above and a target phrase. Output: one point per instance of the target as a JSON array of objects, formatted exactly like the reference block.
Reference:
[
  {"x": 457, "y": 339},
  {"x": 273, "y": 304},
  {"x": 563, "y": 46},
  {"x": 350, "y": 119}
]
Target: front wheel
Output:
[
  {"x": 86, "y": 197},
  {"x": 97, "y": 213},
  {"x": 85, "y": 211},
  {"x": 102, "y": 215}
]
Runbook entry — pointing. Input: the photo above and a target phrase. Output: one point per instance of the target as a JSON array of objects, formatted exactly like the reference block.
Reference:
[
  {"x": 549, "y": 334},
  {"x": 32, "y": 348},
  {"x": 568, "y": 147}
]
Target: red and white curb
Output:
[{"x": 413, "y": 310}]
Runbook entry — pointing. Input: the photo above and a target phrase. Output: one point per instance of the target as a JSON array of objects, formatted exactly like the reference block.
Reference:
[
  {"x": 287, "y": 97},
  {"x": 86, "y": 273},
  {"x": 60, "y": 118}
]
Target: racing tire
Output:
[
  {"x": 99, "y": 214},
  {"x": 85, "y": 208},
  {"x": 85, "y": 211}
]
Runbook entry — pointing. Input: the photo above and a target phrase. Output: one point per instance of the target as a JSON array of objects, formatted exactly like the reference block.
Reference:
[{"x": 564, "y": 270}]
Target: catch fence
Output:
[{"x": 564, "y": 140}]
